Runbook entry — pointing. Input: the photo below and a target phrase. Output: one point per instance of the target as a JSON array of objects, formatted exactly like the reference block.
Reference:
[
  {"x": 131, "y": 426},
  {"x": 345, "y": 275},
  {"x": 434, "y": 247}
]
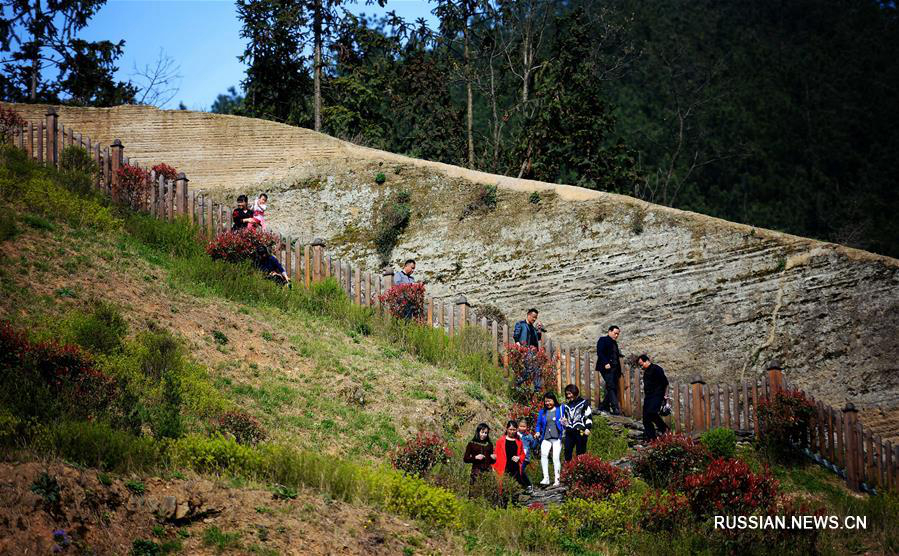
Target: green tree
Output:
[{"x": 230, "y": 103}]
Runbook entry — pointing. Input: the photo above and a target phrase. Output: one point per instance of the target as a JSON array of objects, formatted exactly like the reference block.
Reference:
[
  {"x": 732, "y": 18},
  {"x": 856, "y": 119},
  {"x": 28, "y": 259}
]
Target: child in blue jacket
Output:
[{"x": 528, "y": 442}]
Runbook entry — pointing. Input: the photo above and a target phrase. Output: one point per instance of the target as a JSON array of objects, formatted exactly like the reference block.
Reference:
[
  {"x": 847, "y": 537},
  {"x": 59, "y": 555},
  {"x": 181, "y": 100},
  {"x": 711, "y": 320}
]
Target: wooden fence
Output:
[{"x": 837, "y": 439}]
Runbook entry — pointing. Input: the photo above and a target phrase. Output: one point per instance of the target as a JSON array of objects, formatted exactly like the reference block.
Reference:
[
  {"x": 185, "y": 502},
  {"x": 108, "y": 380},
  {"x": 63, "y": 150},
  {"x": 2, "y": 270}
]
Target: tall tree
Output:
[{"x": 36, "y": 38}]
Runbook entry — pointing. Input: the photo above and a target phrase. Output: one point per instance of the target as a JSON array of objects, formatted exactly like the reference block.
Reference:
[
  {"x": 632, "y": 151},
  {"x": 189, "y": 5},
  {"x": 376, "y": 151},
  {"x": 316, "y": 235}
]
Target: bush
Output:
[
  {"x": 101, "y": 330},
  {"x": 240, "y": 245},
  {"x": 132, "y": 187},
  {"x": 47, "y": 380},
  {"x": 534, "y": 198},
  {"x": 590, "y": 478},
  {"x": 607, "y": 519},
  {"x": 242, "y": 427},
  {"x": 729, "y": 487},
  {"x": 499, "y": 492},
  {"x": 10, "y": 123},
  {"x": 530, "y": 367},
  {"x": 669, "y": 458},
  {"x": 79, "y": 169},
  {"x": 405, "y": 301},
  {"x": 380, "y": 178},
  {"x": 664, "y": 511},
  {"x": 163, "y": 169},
  {"x": 784, "y": 422},
  {"x": 214, "y": 455},
  {"x": 419, "y": 455},
  {"x": 721, "y": 443},
  {"x": 393, "y": 217}
]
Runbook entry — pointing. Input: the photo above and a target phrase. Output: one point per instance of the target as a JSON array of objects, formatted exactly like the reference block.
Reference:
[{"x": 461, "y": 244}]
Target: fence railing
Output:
[{"x": 836, "y": 438}]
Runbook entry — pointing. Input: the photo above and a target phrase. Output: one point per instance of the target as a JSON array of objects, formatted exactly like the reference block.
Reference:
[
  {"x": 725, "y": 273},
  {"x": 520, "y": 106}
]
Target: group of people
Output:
[
  {"x": 244, "y": 217},
  {"x": 569, "y": 425}
]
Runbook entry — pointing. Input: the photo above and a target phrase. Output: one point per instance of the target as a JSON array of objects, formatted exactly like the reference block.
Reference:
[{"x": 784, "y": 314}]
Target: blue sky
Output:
[{"x": 202, "y": 36}]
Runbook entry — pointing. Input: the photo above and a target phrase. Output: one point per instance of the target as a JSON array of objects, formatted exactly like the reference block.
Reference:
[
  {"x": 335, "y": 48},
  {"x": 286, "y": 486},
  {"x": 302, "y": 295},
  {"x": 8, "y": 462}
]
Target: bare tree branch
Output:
[{"x": 158, "y": 83}]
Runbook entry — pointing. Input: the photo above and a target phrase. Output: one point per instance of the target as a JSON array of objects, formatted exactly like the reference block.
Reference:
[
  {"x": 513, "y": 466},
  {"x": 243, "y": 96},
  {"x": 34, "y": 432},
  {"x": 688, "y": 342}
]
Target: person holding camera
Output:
[
  {"x": 655, "y": 388},
  {"x": 529, "y": 331}
]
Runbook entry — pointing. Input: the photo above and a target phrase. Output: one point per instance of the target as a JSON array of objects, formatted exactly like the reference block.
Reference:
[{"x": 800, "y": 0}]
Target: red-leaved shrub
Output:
[
  {"x": 163, "y": 169},
  {"x": 405, "y": 301},
  {"x": 669, "y": 458},
  {"x": 243, "y": 427},
  {"x": 533, "y": 373},
  {"x": 132, "y": 186},
  {"x": 591, "y": 478},
  {"x": 784, "y": 422},
  {"x": 66, "y": 374},
  {"x": 10, "y": 123},
  {"x": 420, "y": 454},
  {"x": 528, "y": 411},
  {"x": 664, "y": 511},
  {"x": 239, "y": 245},
  {"x": 729, "y": 487}
]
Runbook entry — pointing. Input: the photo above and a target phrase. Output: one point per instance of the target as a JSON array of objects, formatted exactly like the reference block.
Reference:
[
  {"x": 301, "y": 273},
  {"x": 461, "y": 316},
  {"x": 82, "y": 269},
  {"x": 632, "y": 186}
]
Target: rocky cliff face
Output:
[{"x": 703, "y": 296}]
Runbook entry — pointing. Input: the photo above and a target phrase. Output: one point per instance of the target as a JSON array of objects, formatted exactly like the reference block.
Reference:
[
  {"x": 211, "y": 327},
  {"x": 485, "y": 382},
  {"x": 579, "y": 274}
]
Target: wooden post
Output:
[
  {"x": 288, "y": 256},
  {"x": 181, "y": 187},
  {"x": 698, "y": 407},
  {"x": 727, "y": 421},
  {"x": 318, "y": 245},
  {"x": 577, "y": 368},
  {"x": 870, "y": 459},
  {"x": 29, "y": 147},
  {"x": 890, "y": 466},
  {"x": 163, "y": 196},
  {"x": 52, "y": 137},
  {"x": 116, "y": 151},
  {"x": 755, "y": 408},
  {"x": 850, "y": 418},
  {"x": 688, "y": 409},
  {"x": 357, "y": 286},
  {"x": 307, "y": 267},
  {"x": 463, "y": 305},
  {"x": 558, "y": 365},
  {"x": 775, "y": 378},
  {"x": 588, "y": 378},
  {"x": 625, "y": 401},
  {"x": 676, "y": 408},
  {"x": 41, "y": 130},
  {"x": 441, "y": 316},
  {"x": 747, "y": 423},
  {"x": 638, "y": 397},
  {"x": 821, "y": 428}
]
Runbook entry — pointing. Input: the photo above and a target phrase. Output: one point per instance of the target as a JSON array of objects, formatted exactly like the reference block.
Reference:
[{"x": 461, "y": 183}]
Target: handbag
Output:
[{"x": 666, "y": 409}]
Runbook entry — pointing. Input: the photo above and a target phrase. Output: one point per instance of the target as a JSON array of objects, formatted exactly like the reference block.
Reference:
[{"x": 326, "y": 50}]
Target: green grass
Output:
[{"x": 221, "y": 540}]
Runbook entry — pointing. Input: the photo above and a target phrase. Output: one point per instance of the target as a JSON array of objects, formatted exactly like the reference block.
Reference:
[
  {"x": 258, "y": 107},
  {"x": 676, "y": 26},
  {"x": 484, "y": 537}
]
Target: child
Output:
[
  {"x": 259, "y": 206},
  {"x": 549, "y": 430},
  {"x": 528, "y": 442},
  {"x": 479, "y": 452},
  {"x": 510, "y": 455}
]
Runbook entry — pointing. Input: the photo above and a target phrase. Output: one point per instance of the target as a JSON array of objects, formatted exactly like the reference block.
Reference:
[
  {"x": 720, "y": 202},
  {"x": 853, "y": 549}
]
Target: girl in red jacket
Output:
[{"x": 510, "y": 455}]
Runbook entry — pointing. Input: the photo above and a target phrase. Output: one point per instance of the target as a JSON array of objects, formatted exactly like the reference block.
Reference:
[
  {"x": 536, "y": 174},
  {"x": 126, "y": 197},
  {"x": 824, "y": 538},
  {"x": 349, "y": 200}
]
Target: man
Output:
[
  {"x": 270, "y": 265},
  {"x": 655, "y": 387},
  {"x": 405, "y": 276},
  {"x": 241, "y": 215},
  {"x": 528, "y": 331},
  {"x": 608, "y": 364},
  {"x": 577, "y": 418}
]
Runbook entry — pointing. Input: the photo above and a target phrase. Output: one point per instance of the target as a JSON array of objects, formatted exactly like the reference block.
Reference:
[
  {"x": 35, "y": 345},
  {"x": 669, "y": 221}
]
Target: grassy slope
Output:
[{"x": 302, "y": 371}]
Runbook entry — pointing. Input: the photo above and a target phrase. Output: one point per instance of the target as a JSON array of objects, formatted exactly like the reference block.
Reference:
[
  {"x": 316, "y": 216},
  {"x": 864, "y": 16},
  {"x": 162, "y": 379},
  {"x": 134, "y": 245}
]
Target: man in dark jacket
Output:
[
  {"x": 655, "y": 387},
  {"x": 526, "y": 333},
  {"x": 608, "y": 364},
  {"x": 241, "y": 215}
]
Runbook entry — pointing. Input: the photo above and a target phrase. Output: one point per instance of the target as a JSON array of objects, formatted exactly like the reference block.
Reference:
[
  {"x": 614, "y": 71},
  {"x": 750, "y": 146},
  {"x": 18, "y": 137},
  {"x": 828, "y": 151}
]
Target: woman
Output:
[
  {"x": 577, "y": 418},
  {"x": 479, "y": 452},
  {"x": 510, "y": 455},
  {"x": 549, "y": 430}
]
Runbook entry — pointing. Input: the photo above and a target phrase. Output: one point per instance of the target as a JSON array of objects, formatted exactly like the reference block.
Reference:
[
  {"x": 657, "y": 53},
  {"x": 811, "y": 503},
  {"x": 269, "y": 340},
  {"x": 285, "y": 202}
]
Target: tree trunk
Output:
[
  {"x": 470, "y": 103},
  {"x": 317, "y": 70}
]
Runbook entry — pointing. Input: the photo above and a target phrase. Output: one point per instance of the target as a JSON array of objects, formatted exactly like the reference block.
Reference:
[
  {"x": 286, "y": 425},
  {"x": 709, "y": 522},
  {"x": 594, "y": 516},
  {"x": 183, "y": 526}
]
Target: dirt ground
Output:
[{"x": 103, "y": 518}]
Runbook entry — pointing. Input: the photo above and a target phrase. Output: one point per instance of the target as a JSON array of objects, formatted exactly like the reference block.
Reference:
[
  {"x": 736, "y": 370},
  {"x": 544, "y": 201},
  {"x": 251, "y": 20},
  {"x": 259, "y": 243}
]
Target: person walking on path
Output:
[
  {"x": 242, "y": 215},
  {"x": 479, "y": 452},
  {"x": 655, "y": 387},
  {"x": 608, "y": 364},
  {"x": 528, "y": 331},
  {"x": 549, "y": 431},
  {"x": 510, "y": 455},
  {"x": 404, "y": 276},
  {"x": 577, "y": 418}
]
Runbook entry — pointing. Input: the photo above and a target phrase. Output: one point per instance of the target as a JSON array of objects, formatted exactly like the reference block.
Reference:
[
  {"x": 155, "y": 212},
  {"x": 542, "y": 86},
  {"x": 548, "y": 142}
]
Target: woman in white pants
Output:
[{"x": 549, "y": 429}]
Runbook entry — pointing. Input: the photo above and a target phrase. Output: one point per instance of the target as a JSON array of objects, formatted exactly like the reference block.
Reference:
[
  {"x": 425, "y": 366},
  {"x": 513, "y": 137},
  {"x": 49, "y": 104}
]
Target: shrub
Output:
[
  {"x": 534, "y": 198},
  {"x": 393, "y": 217},
  {"x": 98, "y": 445},
  {"x": 591, "y": 478},
  {"x": 380, "y": 178},
  {"x": 784, "y": 422},
  {"x": 47, "y": 380},
  {"x": 132, "y": 187},
  {"x": 669, "y": 458},
  {"x": 405, "y": 301},
  {"x": 664, "y": 511},
  {"x": 79, "y": 168},
  {"x": 10, "y": 123},
  {"x": 729, "y": 487},
  {"x": 239, "y": 246},
  {"x": 533, "y": 371},
  {"x": 101, "y": 330},
  {"x": 419, "y": 455},
  {"x": 242, "y": 427},
  {"x": 526, "y": 411},
  {"x": 163, "y": 169},
  {"x": 499, "y": 492},
  {"x": 37, "y": 222},
  {"x": 214, "y": 455},
  {"x": 721, "y": 443},
  {"x": 607, "y": 519},
  {"x": 484, "y": 201}
]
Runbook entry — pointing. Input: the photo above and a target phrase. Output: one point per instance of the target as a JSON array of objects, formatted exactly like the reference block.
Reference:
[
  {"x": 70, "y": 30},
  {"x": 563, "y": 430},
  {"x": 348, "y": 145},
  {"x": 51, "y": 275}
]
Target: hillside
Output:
[
  {"x": 703, "y": 295},
  {"x": 154, "y": 401}
]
